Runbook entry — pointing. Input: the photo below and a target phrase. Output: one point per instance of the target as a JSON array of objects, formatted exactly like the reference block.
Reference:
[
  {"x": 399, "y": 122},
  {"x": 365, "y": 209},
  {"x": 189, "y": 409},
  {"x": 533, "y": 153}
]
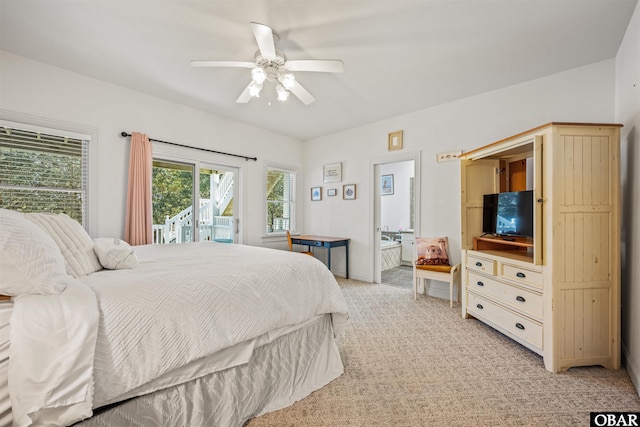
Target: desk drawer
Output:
[{"x": 306, "y": 242}]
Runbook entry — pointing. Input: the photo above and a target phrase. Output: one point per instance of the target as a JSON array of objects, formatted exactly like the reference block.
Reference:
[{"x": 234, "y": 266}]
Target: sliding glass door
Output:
[
  {"x": 193, "y": 202},
  {"x": 218, "y": 221}
]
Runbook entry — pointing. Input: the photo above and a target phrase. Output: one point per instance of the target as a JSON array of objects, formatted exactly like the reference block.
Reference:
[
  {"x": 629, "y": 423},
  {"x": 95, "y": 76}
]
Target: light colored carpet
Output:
[{"x": 418, "y": 363}]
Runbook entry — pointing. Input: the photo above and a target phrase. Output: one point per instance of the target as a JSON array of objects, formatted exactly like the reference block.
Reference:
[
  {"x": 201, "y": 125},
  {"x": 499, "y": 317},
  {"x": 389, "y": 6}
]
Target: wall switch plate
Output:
[{"x": 446, "y": 157}]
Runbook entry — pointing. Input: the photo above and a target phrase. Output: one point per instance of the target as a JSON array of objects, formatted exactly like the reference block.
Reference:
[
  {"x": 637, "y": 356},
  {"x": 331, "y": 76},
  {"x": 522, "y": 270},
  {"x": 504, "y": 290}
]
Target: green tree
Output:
[
  {"x": 37, "y": 181},
  {"x": 172, "y": 191}
]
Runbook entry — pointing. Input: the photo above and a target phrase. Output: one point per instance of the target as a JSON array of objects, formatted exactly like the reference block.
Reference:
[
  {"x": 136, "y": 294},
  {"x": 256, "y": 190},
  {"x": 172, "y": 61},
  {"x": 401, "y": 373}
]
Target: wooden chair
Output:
[
  {"x": 433, "y": 264},
  {"x": 442, "y": 273},
  {"x": 291, "y": 245}
]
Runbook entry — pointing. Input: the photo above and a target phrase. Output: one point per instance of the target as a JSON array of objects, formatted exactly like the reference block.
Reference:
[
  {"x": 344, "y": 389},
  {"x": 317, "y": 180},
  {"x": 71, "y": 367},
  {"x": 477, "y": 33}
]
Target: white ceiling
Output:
[{"x": 399, "y": 55}]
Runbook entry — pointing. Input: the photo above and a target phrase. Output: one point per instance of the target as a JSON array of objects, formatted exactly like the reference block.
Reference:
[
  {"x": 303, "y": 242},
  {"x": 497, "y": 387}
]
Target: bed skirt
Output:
[{"x": 278, "y": 374}]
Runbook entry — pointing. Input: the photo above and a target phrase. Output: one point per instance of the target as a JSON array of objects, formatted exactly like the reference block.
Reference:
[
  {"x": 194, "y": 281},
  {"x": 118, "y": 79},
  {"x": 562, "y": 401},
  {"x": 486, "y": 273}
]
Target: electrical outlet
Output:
[{"x": 445, "y": 157}]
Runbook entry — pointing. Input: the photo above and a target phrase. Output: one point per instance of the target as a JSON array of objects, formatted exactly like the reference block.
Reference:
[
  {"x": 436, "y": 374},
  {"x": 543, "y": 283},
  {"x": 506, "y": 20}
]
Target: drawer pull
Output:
[
  {"x": 479, "y": 283},
  {"x": 521, "y": 299},
  {"x": 520, "y": 326},
  {"x": 521, "y": 275},
  {"x": 478, "y": 264},
  {"x": 479, "y": 306}
]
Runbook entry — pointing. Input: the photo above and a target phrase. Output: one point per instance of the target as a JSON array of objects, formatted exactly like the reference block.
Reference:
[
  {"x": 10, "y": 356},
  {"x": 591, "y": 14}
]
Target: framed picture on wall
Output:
[
  {"x": 386, "y": 185},
  {"x": 332, "y": 172},
  {"x": 395, "y": 140},
  {"x": 316, "y": 193},
  {"x": 332, "y": 192},
  {"x": 349, "y": 192}
]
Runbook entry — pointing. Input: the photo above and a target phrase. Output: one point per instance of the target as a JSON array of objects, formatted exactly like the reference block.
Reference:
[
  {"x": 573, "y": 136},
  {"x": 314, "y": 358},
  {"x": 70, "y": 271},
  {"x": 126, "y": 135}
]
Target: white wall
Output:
[
  {"x": 49, "y": 95},
  {"x": 627, "y": 112},
  {"x": 584, "y": 94},
  {"x": 395, "y": 209}
]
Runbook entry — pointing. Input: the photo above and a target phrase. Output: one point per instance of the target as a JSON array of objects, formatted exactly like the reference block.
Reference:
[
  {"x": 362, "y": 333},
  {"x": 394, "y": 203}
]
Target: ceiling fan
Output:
[{"x": 272, "y": 65}]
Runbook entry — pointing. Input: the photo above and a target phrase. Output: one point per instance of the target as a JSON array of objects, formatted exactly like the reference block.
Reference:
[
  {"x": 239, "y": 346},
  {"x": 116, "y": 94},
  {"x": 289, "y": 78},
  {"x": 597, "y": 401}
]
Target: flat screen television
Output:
[{"x": 508, "y": 214}]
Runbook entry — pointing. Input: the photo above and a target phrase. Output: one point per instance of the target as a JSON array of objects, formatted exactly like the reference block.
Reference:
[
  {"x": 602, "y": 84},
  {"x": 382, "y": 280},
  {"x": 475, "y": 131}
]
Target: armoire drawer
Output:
[
  {"x": 481, "y": 264},
  {"x": 521, "y": 300},
  {"x": 519, "y": 326},
  {"x": 521, "y": 275}
]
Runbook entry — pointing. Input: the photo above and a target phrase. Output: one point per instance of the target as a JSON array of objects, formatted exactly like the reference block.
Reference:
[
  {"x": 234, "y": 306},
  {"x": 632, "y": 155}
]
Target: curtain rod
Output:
[{"x": 247, "y": 158}]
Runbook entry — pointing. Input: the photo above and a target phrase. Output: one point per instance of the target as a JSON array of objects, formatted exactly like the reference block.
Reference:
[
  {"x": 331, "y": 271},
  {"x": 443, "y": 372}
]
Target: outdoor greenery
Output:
[
  {"x": 39, "y": 181},
  {"x": 172, "y": 189},
  {"x": 275, "y": 197}
]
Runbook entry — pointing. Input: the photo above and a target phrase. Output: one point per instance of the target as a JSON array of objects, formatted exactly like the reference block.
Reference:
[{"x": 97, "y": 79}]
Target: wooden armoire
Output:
[{"x": 557, "y": 291}]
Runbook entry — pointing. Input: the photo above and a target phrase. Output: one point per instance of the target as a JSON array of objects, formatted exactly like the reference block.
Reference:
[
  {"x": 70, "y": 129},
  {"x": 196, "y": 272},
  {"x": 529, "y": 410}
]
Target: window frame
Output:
[
  {"x": 52, "y": 127},
  {"x": 293, "y": 211}
]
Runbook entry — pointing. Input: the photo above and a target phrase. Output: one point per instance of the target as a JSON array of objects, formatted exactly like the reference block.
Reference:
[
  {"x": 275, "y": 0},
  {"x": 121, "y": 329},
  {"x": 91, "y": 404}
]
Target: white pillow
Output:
[
  {"x": 115, "y": 254},
  {"x": 74, "y": 242},
  {"x": 30, "y": 261}
]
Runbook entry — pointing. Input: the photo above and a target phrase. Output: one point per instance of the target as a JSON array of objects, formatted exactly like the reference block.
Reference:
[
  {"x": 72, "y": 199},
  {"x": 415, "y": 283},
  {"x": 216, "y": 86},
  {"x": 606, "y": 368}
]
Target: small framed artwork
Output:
[
  {"x": 332, "y": 172},
  {"x": 395, "y": 140},
  {"x": 386, "y": 185},
  {"x": 349, "y": 192},
  {"x": 316, "y": 193},
  {"x": 332, "y": 192}
]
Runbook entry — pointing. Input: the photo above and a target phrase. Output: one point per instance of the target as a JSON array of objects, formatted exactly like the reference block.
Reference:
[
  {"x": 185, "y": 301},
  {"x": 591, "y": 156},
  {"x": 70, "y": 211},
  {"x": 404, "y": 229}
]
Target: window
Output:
[
  {"x": 281, "y": 200},
  {"x": 43, "y": 172}
]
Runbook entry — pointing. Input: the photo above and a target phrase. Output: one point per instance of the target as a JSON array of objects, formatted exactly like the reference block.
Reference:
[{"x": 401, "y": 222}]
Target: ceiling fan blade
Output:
[
  {"x": 245, "y": 96},
  {"x": 223, "y": 64},
  {"x": 302, "y": 94},
  {"x": 321, "y": 65},
  {"x": 264, "y": 37}
]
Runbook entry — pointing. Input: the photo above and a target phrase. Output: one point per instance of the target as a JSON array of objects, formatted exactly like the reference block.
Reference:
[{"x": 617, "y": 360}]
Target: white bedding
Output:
[
  {"x": 279, "y": 373},
  {"x": 182, "y": 306}
]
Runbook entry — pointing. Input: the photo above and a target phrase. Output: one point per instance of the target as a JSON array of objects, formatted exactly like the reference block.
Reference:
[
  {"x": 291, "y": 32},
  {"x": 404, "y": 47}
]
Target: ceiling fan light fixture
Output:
[
  {"x": 273, "y": 66},
  {"x": 258, "y": 75},
  {"x": 283, "y": 95},
  {"x": 288, "y": 80},
  {"x": 254, "y": 89}
]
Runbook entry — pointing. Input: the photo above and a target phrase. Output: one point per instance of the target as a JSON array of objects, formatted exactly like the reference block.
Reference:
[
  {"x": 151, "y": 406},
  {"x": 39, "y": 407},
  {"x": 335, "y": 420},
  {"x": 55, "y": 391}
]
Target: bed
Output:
[{"x": 192, "y": 334}]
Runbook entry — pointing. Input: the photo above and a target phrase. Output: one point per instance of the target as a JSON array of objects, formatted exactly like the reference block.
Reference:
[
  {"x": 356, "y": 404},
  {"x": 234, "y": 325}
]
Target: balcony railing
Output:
[{"x": 179, "y": 229}]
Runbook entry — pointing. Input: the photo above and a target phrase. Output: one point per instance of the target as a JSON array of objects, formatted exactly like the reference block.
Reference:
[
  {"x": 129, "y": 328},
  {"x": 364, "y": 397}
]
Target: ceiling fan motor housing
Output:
[{"x": 273, "y": 67}]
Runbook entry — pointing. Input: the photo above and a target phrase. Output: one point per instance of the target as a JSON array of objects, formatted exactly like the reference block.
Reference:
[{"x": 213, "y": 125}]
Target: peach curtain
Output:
[{"x": 138, "y": 222}]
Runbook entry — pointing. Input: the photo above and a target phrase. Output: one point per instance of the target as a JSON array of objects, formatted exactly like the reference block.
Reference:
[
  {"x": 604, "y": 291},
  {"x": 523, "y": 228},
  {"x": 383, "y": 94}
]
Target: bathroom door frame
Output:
[{"x": 374, "y": 173}]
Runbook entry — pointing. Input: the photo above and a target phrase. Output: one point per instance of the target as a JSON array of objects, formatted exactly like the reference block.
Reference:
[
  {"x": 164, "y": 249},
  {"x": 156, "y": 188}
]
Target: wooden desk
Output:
[{"x": 324, "y": 242}]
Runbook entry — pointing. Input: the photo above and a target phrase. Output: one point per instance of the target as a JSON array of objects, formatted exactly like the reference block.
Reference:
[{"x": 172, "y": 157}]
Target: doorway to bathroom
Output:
[{"x": 396, "y": 214}]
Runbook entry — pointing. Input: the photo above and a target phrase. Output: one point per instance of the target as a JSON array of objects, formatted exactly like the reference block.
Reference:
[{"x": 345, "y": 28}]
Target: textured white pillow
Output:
[
  {"x": 74, "y": 242},
  {"x": 30, "y": 261},
  {"x": 115, "y": 254}
]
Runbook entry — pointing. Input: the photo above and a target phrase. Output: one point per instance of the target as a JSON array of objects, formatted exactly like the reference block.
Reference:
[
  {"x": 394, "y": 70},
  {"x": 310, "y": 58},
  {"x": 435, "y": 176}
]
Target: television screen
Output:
[{"x": 515, "y": 214}]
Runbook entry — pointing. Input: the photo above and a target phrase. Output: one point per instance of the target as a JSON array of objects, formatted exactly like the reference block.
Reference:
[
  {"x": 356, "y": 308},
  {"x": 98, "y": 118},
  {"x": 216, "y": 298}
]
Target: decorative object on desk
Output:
[
  {"x": 316, "y": 193},
  {"x": 395, "y": 140},
  {"x": 332, "y": 192},
  {"x": 432, "y": 250},
  {"x": 386, "y": 185},
  {"x": 349, "y": 191},
  {"x": 332, "y": 172}
]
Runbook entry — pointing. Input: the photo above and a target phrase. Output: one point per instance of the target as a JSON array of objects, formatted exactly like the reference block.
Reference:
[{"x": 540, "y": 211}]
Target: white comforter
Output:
[{"x": 181, "y": 305}]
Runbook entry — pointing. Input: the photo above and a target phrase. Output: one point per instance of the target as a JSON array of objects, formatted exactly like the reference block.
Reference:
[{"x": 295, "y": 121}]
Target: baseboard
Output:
[
  {"x": 342, "y": 273},
  {"x": 438, "y": 289},
  {"x": 632, "y": 368}
]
